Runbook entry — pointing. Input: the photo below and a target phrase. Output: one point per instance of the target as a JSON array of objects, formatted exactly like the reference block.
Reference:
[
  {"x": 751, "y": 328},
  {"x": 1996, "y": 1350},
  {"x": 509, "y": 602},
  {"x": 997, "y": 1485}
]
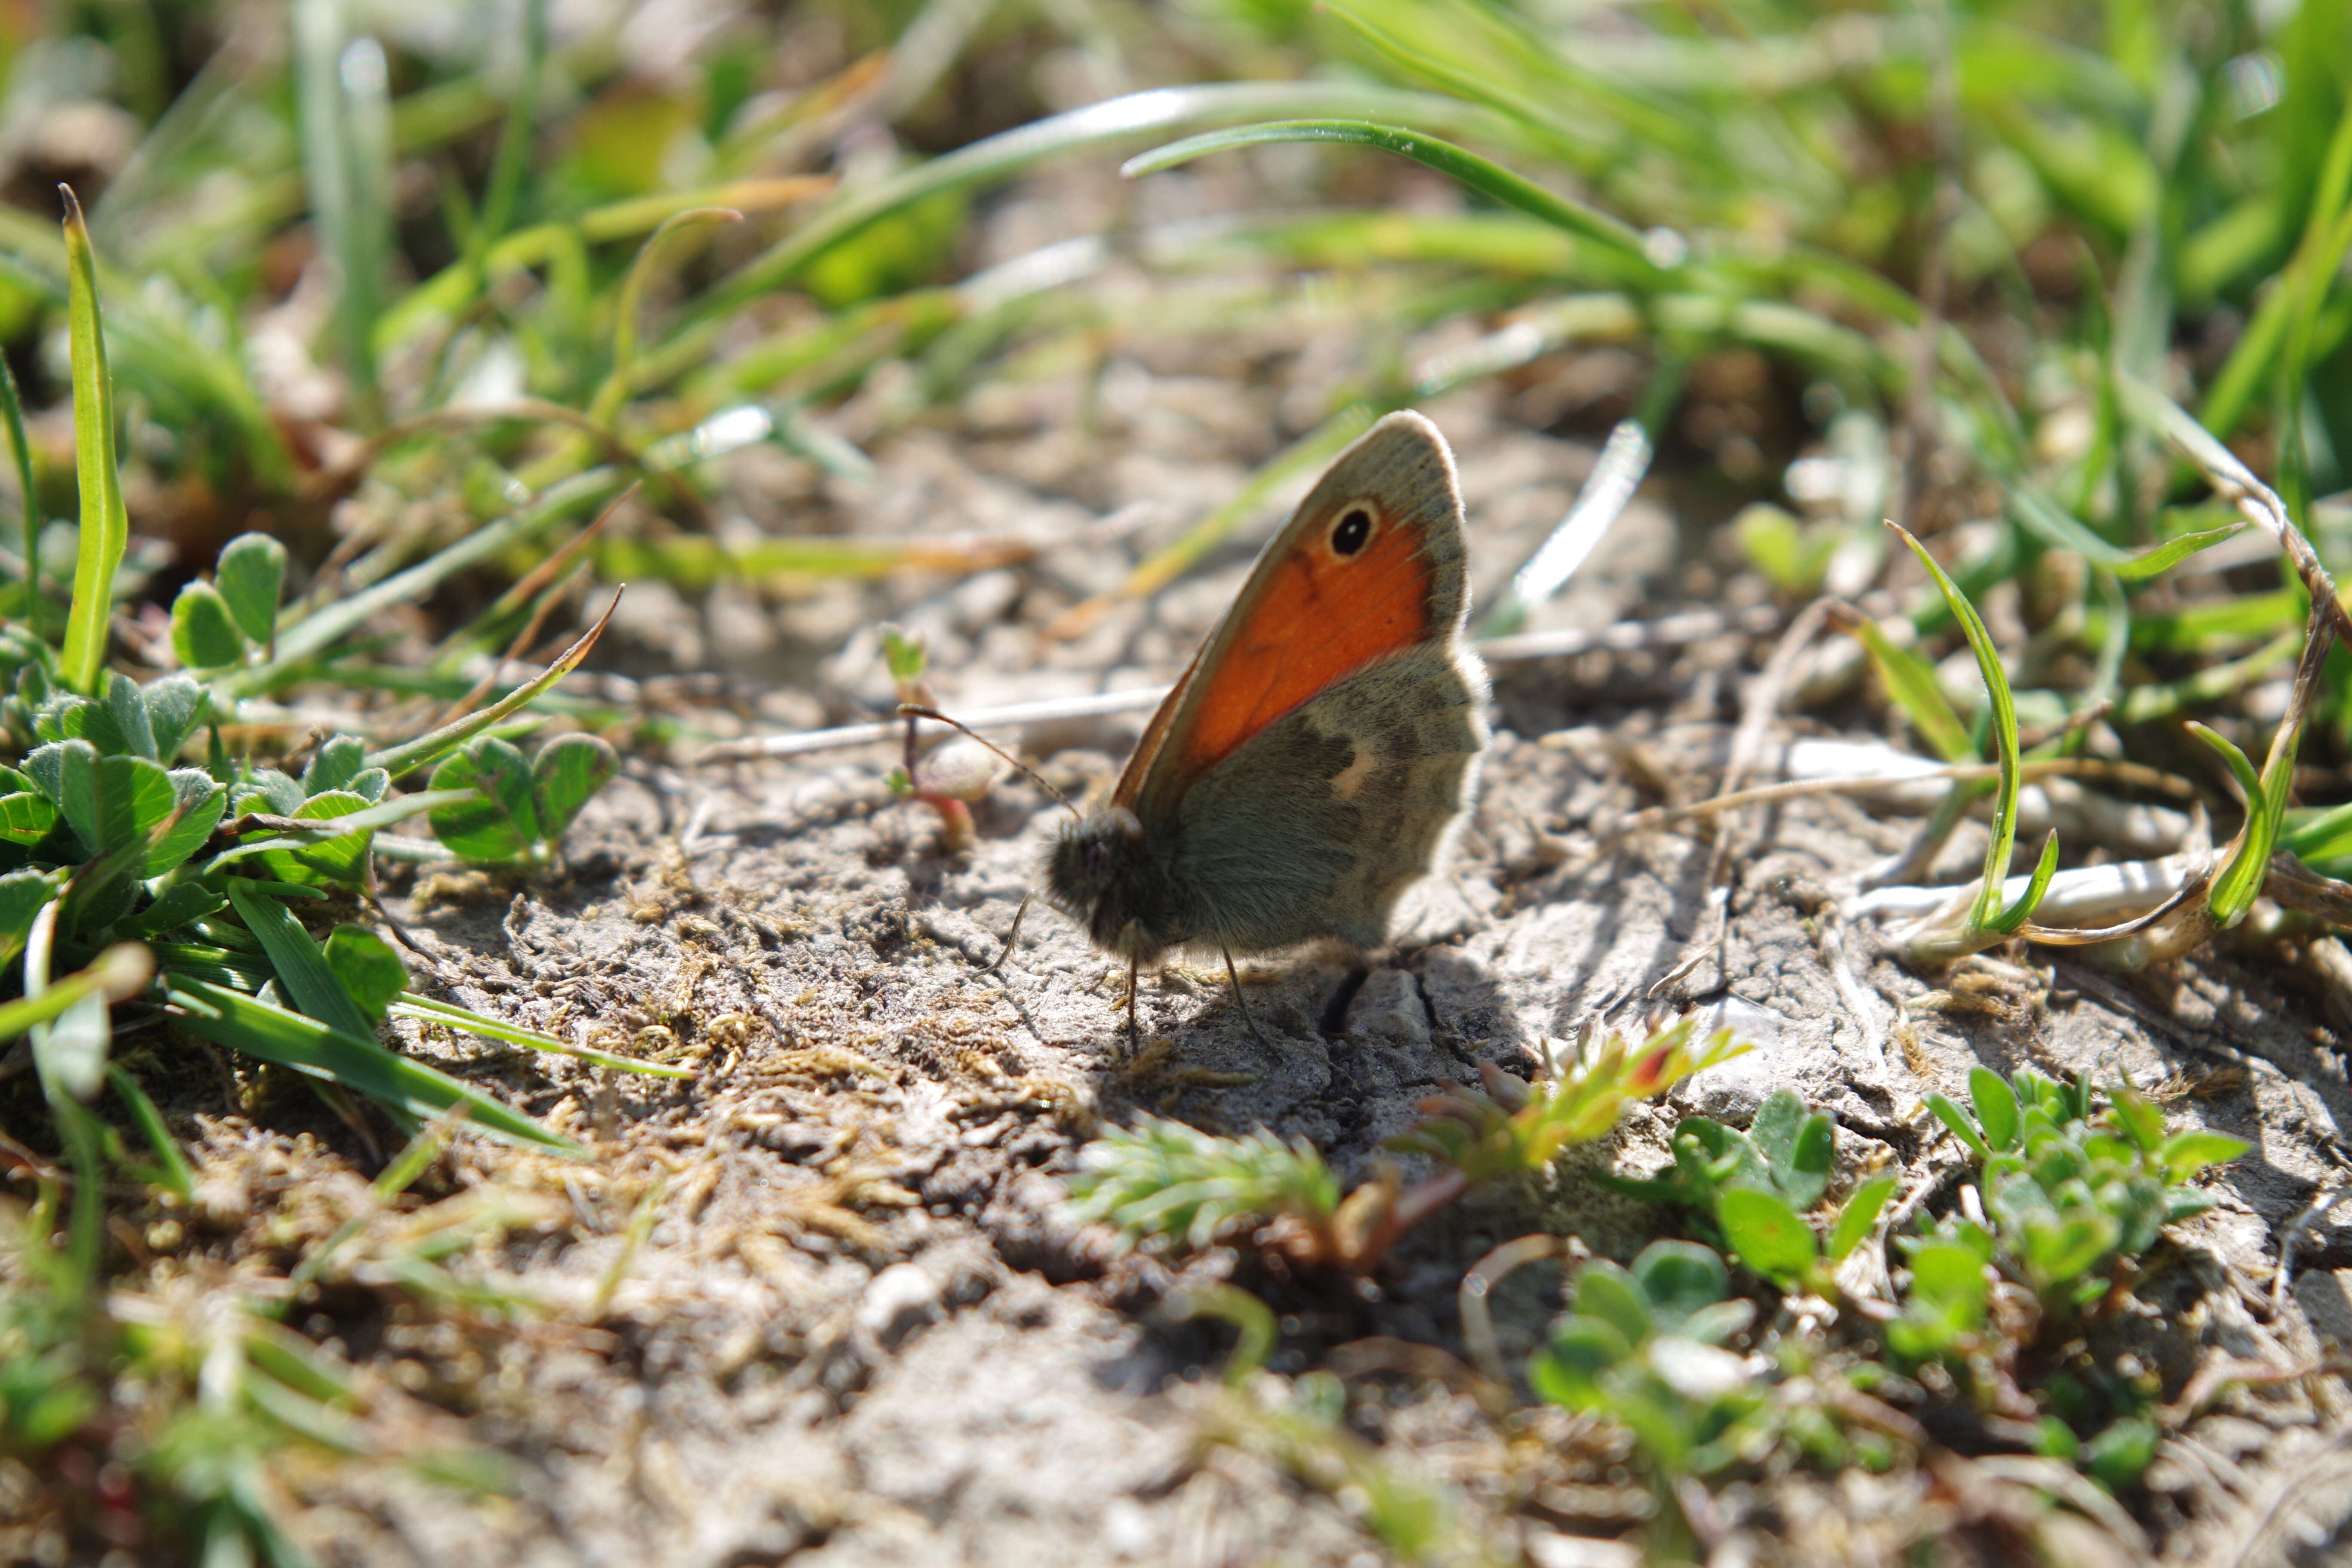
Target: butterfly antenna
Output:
[{"x": 917, "y": 710}]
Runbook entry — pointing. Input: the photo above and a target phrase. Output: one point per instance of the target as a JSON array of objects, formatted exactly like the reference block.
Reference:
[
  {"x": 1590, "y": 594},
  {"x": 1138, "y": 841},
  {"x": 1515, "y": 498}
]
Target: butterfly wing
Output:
[{"x": 1370, "y": 567}]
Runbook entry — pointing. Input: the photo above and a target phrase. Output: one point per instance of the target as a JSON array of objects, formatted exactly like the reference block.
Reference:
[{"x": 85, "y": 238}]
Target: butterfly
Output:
[{"x": 1312, "y": 762}]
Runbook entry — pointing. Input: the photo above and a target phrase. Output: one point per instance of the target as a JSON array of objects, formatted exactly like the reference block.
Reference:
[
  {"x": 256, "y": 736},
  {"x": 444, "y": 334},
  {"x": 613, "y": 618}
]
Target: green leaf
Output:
[
  {"x": 136, "y": 796},
  {"x": 1950, "y": 1277},
  {"x": 1781, "y": 548},
  {"x": 1996, "y": 1107},
  {"x": 267, "y": 790},
  {"x": 203, "y": 631},
  {"x": 174, "y": 907},
  {"x": 67, "y": 789},
  {"x": 1770, "y": 1236},
  {"x": 904, "y": 654},
  {"x": 502, "y": 823},
  {"x": 313, "y": 852},
  {"x": 2186, "y": 1153},
  {"x": 272, "y": 1034},
  {"x": 128, "y": 709},
  {"x": 26, "y": 818},
  {"x": 300, "y": 967},
  {"x": 2119, "y": 1455},
  {"x": 1568, "y": 1371},
  {"x": 566, "y": 772},
  {"x": 1606, "y": 1292},
  {"x": 340, "y": 859},
  {"x": 1953, "y": 1117},
  {"x": 65, "y": 717},
  {"x": 1678, "y": 1278},
  {"x": 175, "y": 706},
  {"x": 2138, "y": 1117},
  {"x": 201, "y": 802},
  {"x": 1805, "y": 1175},
  {"x": 107, "y": 801},
  {"x": 22, "y": 894},
  {"x": 1773, "y": 1129},
  {"x": 369, "y": 971},
  {"x": 334, "y": 765},
  {"x": 250, "y": 574},
  {"x": 1860, "y": 1214},
  {"x": 2066, "y": 1250},
  {"x": 2241, "y": 881},
  {"x": 105, "y": 527}
]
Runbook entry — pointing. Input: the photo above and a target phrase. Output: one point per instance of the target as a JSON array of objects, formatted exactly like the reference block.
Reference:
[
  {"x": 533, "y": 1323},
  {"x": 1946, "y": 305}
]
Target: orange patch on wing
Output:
[{"x": 1320, "y": 617}]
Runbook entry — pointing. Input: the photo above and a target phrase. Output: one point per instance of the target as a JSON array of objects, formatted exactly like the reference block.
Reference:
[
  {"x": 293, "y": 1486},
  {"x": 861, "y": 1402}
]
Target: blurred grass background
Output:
[{"x": 377, "y": 276}]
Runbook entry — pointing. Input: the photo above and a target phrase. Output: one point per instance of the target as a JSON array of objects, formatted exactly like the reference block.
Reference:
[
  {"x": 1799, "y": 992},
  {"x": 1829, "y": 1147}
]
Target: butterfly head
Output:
[{"x": 1095, "y": 872}]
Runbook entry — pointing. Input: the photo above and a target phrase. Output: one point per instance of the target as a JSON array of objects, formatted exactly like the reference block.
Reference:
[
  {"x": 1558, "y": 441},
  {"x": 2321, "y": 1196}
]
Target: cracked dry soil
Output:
[{"x": 819, "y": 1302}]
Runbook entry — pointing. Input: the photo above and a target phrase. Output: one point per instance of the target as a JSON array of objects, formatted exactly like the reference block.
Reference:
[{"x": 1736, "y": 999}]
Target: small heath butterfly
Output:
[{"x": 1309, "y": 765}]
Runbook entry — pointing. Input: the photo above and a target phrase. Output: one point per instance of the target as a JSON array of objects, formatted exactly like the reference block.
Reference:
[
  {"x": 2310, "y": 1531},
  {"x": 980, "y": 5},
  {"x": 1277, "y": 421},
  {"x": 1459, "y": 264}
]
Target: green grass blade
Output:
[
  {"x": 1623, "y": 462},
  {"x": 2241, "y": 881},
  {"x": 301, "y": 968},
  {"x": 11, "y": 413},
  {"x": 615, "y": 390},
  {"x": 427, "y": 749},
  {"x": 105, "y": 527},
  {"x": 176, "y": 1174},
  {"x": 1910, "y": 681},
  {"x": 270, "y": 1033},
  {"x": 320, "y": 33},
  {"x": 333, "y": 828},
  {"x": 426, "y": 1009},
  {"x": 2004, "y": 732},
  {"x": 1462, "y": 78},
  {"x": 2162, "y": 558},
  {"x": 515, "y": 141},
  {"x": 2233, "y": 891},
  {"x": 1611, "y": 234},
  {"x": 2046, "y": 867},
  {"x": 324, "y": 627},
  {"x": 366, "y": 248},
  {"x": 120, "y": 972},
  {"x": 2248, "y": 781},
  {"x": 999, "y": 158},
  {"x": 1311, "y": 450}
]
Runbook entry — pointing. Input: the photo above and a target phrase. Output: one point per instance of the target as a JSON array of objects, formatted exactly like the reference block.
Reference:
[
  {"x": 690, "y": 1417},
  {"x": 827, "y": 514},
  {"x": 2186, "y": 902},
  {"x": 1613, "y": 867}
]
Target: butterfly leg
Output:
[
  {"x": 1134, "y": 971},
  {"x": 1241, "y": 1001},
  {"x": 1012, "y": 938}
]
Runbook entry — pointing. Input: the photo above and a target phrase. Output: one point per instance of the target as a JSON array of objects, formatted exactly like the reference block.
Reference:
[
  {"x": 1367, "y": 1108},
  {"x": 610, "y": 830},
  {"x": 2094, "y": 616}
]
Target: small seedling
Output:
[
  {"x": 2072, "y": 1193},
  {"x": 1165, "y": 1181},
  {"x": 1756, "y": 1186},
  {"x": 957, "y": 773}
]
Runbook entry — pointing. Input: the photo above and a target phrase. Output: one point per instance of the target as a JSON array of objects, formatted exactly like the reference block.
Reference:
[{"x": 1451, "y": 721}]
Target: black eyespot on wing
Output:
[{"x": 1351, "y": 532}]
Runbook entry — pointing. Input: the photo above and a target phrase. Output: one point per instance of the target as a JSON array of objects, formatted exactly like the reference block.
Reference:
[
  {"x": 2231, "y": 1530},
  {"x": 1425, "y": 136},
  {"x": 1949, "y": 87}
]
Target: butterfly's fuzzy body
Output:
[{"x": 1312, "y": 763}]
